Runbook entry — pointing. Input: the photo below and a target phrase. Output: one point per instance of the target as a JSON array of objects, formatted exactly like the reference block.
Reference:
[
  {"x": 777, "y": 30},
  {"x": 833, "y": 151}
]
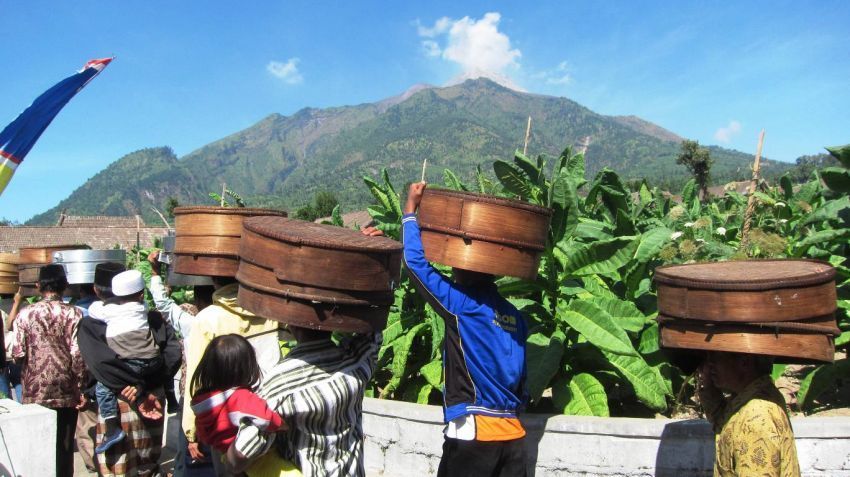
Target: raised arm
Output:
[{"x": 437, "y": 289}]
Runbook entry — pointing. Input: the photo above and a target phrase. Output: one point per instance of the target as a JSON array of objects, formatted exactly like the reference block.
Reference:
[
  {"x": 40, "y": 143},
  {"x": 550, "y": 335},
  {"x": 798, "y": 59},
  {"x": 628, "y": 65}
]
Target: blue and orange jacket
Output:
[{"x": 484, "y": 346}]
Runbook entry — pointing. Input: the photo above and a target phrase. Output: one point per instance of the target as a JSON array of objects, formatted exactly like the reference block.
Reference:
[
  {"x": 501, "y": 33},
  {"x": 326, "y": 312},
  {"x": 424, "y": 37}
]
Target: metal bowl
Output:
[{"x": 80, "y": 264}]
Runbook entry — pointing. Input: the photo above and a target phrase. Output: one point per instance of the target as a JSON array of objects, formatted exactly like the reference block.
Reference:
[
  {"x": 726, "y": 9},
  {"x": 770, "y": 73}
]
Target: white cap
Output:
[{"x": 128, "y": 283}]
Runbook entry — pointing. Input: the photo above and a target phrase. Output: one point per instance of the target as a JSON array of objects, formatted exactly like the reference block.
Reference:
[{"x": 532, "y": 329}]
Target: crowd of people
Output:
[{"x": 260, "y": 398}]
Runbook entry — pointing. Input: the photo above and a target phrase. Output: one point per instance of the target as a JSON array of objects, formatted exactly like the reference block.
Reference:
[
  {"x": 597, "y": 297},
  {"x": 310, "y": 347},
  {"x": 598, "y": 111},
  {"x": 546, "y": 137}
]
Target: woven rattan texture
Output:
[
  {"x": 746, "y": 274},
  {"x": 299, "y": 232}
]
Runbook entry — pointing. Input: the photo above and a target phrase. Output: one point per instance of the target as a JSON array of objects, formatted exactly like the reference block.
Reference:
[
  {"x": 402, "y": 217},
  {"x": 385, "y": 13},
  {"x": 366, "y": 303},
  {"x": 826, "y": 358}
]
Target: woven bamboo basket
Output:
[
  {"x": 317, "y": 276},
  {"x": 31, "y": 259},
  {"x": 9, "y": 273},
  {"x": 781, "y": 308},
  {"x": 207, "y": 238},
  {"x": 483, "y": 233},
  {"x": 173, "y": 278}
]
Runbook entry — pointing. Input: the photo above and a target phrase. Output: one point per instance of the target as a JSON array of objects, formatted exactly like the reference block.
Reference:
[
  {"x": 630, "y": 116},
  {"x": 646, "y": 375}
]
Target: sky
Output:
[{"x": 188, "y": 73}]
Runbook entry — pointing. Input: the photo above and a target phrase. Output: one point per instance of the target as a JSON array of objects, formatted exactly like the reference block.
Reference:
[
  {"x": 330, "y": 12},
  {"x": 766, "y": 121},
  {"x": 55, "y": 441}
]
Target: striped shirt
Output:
[{"x": 318, "y": 390}]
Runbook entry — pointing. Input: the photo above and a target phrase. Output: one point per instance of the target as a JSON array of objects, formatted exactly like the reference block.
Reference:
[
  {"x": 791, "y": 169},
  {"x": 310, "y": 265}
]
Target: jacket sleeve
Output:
[
  {"x": 171, "y": 311},
  {"x": 437, "y": 289},
  {"x": 196, "y": 343},
  {"x": 103, "y": 363}
]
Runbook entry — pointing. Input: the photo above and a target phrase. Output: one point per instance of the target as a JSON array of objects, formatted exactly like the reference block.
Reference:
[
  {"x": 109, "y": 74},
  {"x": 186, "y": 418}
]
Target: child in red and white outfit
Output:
[{"x": 222, "y": 396}]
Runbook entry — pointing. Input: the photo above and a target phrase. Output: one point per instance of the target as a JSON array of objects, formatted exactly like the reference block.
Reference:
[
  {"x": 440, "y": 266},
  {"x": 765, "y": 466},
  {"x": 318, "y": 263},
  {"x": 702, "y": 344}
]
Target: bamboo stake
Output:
[
  {"x": 223, "y": 191},
  {"x": 527, "y": 137},
  {"x": 167, "y": 226},
  {"x": 424, "y": 164},
  {"x": 751, "y": 200}
]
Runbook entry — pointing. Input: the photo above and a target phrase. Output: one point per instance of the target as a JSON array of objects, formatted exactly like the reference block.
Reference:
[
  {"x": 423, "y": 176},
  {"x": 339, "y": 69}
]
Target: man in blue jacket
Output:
[{"x": 483, "y": 362}]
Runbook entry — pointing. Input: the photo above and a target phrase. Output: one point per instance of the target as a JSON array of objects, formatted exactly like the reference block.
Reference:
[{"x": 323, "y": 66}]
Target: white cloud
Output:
[
  {"x": 477, "y": 46},
  {"x": 288, "y": 72},
  {"x": 559, "y": 75},
  {"x": 725, "y": 134}
]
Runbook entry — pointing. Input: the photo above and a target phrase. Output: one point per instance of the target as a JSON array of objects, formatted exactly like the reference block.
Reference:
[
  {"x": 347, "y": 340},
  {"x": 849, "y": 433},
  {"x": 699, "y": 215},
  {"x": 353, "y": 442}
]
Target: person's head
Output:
[
  {"x": 304, "y": 335},
  {"x": 219, "y": 282},
  {"x": 103, "y": 275},
  {"x": 734, "y": 371},
  {"x": 471, "y": 279},
  {"x": 52, "y": 280},
  {"x": 228, "y": 362},
  {"x": 129, "y": 286},
  {"x": 86, "y": 290},
  {"x": 203, "y": 296}
]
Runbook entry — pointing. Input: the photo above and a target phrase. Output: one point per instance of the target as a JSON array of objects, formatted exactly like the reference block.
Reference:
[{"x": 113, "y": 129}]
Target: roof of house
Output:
[
  {"x": 100, "y": 221},
  {"x": 97, "y": 237}
]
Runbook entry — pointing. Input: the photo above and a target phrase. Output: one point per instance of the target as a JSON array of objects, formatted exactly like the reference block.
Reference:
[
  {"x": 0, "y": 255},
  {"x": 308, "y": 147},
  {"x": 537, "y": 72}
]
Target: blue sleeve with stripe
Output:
[{"x": 435, "y": 283}]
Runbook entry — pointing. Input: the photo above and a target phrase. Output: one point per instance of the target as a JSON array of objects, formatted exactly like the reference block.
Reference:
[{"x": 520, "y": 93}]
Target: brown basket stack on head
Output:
[
  {"x": 483, "y": 233},
  {"x": 317, "y": 276},
  {"x": 782, "y": 308},
  {"x": 31, "y": 259},
  {"x": 9, "y": 273},
  {"x": 207, "y": 238}
]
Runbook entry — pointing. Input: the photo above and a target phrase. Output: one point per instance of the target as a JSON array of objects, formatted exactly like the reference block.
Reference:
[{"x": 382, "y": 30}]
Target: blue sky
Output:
[{"x": 188, "y": 73}]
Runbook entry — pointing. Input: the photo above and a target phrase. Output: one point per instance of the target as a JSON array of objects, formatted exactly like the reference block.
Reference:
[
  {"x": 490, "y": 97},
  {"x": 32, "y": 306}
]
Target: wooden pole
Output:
[
  {"x": 223, "y": 191},
  {"x": 424, "y": 164},
  {"x": 167, "y": 226},
  {"x": 527, "y": 137},
  {"x": 751, "y": 200}
]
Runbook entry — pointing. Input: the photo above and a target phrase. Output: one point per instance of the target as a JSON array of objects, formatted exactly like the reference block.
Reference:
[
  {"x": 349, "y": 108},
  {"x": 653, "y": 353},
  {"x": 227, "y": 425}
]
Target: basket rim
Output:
[
  {"x": 491, "y": 199},
  {"x": 218, "y": 210},
  {"x": 270, "y": 227},
  {"x": 663, "y": 277}
]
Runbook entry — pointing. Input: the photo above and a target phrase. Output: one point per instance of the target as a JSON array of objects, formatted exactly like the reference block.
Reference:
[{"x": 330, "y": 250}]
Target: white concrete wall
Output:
[
  {"x": 404, "y": 439},
  {"x": 27, "y": 440}
]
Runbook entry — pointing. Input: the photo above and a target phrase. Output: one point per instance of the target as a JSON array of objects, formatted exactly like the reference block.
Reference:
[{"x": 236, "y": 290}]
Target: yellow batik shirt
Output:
[{"x": 755, "y": 437}]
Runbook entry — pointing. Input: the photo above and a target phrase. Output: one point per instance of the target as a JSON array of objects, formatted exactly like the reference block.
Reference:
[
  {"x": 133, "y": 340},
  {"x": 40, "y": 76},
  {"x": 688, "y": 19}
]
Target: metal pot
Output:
[{"x": 80, "y": 264}]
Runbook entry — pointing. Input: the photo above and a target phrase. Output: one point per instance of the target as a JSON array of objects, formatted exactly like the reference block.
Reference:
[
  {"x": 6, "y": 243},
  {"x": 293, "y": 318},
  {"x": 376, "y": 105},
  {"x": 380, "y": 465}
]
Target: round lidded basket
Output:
[
  {"x": 173, "y": 278},
  {"x": 31, "y": 259},
  {"x": 317, "y": 276},
  {"x": 9, "y": 273},
  {"x": 747, "y": 290},
  {"x": 207, "y": 238},
  {"x": 80, "y": 264},
  {"x": 483, "y": 233},
  {"x": 781, "y": 308}
]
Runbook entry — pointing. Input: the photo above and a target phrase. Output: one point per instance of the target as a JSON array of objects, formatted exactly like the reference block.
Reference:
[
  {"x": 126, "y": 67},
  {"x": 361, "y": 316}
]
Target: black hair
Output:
[
  {"x": 223, "y": 281},
  {"x": 52, "y": 279},
  {"x": 203, "y": 296},
  {"x": 87, "y": 289},
  {"x": 228, "y": 362}
]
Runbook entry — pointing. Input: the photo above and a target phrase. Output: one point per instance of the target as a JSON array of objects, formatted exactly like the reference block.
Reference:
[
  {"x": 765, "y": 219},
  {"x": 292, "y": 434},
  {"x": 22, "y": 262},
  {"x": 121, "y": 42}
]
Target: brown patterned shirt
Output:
[
  {"x": 46, "y": 345},
  {"x": 755, "y": 437}
]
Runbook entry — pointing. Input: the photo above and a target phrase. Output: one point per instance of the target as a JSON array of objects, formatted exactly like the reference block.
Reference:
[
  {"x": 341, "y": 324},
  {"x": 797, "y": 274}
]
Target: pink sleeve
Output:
[{"x": 244, "y": 404}]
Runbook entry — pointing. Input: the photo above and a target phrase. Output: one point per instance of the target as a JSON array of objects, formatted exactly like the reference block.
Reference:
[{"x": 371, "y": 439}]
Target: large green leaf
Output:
[
  {"x": 608, "y": 188},
  {"x": 513, "y": 179},
  {"x": 531, "y": 169},
  {"x": 433, "y": 373},
  {"x": 564, "y": 202},
  {"x": 576, "y": 169},
  {"x": 819, "y": 380},
  {"x": 836, "y": 178},
  {"x": 828, "y": 212},
  {"x": 451, "y": 181},
  {"x": 647, "y": 381},
  {"x": 597, "y": 326},
  {"x": 651, "y": 242},
  {"x": 842, "y": 153},
  {"x": 543, "y": 358},
  {"x": 593, "y": 229},
  {"x": 602, "y": 257},
  {"x": 821, "y": 237},
  {"x": 582, "y": 395},
  {"x": 625, "y": 313},
  {"x": 401, "y": 353}
]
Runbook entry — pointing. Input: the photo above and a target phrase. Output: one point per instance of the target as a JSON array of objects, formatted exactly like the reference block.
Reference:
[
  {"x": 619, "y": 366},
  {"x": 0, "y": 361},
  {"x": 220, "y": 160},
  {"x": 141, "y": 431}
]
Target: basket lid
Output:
[
  {"x": 312, "y": 234},
  {"x": 477, "y": 197},
  {"x": 746, "y": 275},
  {"x": 214, "y": 209}
]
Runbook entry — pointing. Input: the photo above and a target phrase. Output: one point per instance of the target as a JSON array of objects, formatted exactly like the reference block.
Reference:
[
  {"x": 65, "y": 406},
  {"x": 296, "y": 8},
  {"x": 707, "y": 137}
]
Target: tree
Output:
[
  {"x": 323, "y": 206},
  {"x": 698, "y": 160},
  {"x": 170, "y": 205}
]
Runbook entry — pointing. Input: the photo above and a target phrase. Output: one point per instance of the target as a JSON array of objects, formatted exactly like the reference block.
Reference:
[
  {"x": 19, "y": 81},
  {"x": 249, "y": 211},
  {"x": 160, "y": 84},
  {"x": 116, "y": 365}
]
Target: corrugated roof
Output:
[{"x": 100, "y": 221}]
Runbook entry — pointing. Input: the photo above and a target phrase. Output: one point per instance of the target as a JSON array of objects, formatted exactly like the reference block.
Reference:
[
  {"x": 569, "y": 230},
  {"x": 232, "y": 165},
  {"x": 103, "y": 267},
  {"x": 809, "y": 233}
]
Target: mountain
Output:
[{"x": 282, "y": 161}]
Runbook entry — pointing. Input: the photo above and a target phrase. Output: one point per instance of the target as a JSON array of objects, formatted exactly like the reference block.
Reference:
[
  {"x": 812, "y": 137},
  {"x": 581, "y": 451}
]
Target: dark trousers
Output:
[
  {"x": 483, "y": 458},
  {"x": 66, "y": 424}
]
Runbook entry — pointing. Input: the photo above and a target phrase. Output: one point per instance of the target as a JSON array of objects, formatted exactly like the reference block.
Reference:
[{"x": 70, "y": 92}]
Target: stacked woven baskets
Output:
[
  {"x": 483, "y": 233},
  {"x": 207, "y": 238},
  {"x": 32, "y": 259},
  {"x": 317, "y": 276},
  {"x": 8, "y": 273},
  {"x": 781, "y": 308}
]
